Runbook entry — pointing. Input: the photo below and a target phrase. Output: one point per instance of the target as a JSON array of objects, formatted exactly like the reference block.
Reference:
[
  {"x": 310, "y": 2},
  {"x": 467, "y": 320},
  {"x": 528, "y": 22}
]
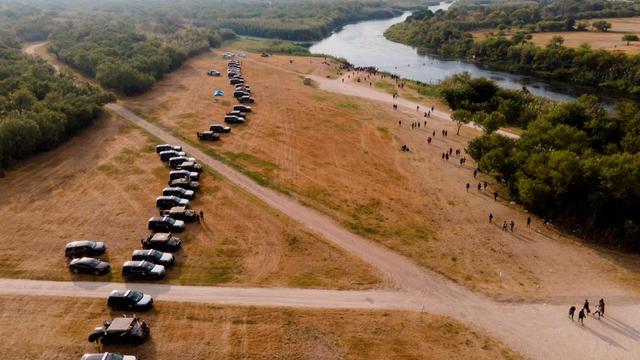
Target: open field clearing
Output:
[
  {"x": 341, "y": 155},
  {"x": 102, "y": 185},
  {"x": 610, "y": 40},
  {"x": 214, "y": 332}
]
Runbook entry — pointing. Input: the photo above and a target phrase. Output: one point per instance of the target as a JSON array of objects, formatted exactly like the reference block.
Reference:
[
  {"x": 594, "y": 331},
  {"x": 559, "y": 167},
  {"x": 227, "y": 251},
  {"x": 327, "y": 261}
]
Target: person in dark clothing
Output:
[
  {"x": 528, "y": 221},
  {"x": 572, "y": 310},
  {"x": 479, "y": 187},
  {"x": 201, "y": 215},
  {"x": 446, "y": 156},
  {"x": 429, "y": 140},
  {"x": 601, "y": 303},
  {"x": 586, "y": 306},
  {"x": 468, "y": 185},
  {"x": 485, "y": 185},
  {"x": 490, "y": 218},
  {"x": 400, "y": 123},
  {"x": 581, "y": 317},
  {"x": 495, "y": 196},
  {"x": 442, "y": 156},
  {"x": 512, "y": 224},
  {"x": 475, "y": 173},
  {"x": 434, "y": 133}
]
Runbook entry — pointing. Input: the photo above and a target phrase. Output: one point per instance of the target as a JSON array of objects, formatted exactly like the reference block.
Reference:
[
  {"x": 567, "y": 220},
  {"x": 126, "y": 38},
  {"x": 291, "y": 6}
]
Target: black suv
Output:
[
  {"x": 180, "y": 213},
  {"x": 179, "y": 192},
  {"x": 167, "y": 155},
  {"x": 180, "y": 174},
  {"x": 185, "y": 184},
  {"x": 167, "y": 202},
  {"x": 243, "y": 108},
  {"x": 219, "y": 128},
  {"x": 154, "y": 256},
  {"x": 89, "y": 265},
  {"x": 142, "y": 270},
  {"x": 161, "y": 241},
  {"x": 177, "y": 160},
  {"x": 84, "y": 248},
  {"x": 164, "y": 147},
  {"x": 124, "y": 330},
  {"x": 129, "y": 300},
  {"x": 190, "y": 165},
  {"x": 165, "y": 223}
]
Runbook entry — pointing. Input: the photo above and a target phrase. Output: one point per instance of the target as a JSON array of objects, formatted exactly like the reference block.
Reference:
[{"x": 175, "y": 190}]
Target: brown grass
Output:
[
  {"x": 340, "y": 155},
  {"x": 57, "y": 328},
  {"x": 102, "y": 185}
]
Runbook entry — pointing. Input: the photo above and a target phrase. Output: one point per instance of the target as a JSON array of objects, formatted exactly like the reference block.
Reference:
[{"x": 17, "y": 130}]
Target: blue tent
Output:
[{"x": 218, "y": 93}]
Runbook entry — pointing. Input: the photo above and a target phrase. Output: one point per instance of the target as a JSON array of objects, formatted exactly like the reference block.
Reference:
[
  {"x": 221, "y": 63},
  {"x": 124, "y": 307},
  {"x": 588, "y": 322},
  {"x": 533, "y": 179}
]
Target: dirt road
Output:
[{"x": 536, "y": 330}]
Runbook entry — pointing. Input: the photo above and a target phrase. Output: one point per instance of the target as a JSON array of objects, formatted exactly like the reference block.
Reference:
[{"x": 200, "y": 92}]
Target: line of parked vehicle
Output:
[
  {"x": 239, "y": 112},
  {"x": 150, "y": 262}
]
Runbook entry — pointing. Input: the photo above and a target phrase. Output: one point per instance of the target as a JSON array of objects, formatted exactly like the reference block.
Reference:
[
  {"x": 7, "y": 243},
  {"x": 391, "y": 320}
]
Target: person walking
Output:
[
  {"x": 434, "y": 133},
  {"x": 201, "y": 215},
  {"x": 468, "y": 185},
  {"x": 429, "y": 140},
  {"x": 586, "y": 306},
  {"x": 490, "y": 218},
  {"x": 479, "y": 187},
  {"x": 495, "y": 196},
  {"x": 400, "y": 123},
  {"x": 528, "y": 221},
  {"x": 572, "y": 310},
  {"x": 475, "y": 173},
  {"x": 504, "y": 226},
  {"x": 601, "y": 304},
  {"x": 512, "y": 224},
  {"x": 581, "y": 317}
]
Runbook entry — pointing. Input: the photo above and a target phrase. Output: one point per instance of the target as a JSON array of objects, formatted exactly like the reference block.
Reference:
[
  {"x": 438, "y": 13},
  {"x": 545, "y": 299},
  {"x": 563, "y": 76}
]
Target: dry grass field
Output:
[
  {"x": 341, "y": 155},
  {"x": 610, "y": 40},
  {"x": 57, "y": 328},
  {"x": 102, "y": 185}
]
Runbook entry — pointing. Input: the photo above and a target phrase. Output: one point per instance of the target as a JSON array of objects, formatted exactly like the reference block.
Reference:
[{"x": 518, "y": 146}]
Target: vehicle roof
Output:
[
  {"x": 79, "y": 243},
  {"x": 133, "y": 263},
  {"x": 119, "y": 292},
  {"x": 173, "y": 188},
  {"x": 176, "y": 209},
  {"x": 143, "y": 252},
  {"x": 121, "y": 324},
  {"x": 85, "y": 259},
  {"x": 161, "y": 236}
]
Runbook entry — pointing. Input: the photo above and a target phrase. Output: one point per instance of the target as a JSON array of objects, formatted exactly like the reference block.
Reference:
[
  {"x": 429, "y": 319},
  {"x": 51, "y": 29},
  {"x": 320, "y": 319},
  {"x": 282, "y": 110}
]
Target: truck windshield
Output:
[
  {"x": 147, "y": 265},
  {"x": 113, "y": 356}
]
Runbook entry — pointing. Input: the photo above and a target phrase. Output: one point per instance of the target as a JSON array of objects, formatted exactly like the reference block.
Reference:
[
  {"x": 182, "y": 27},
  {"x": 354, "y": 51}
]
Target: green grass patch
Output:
[
  {"x": 187, "y": 115},
  {"x": 387, "y": 87},
  {"x": 427, "y": 90},
  {"x": 320, "y": 98},
  {"x": 269, "y": 46},
  {"x": 347, "y": 105},
  {"x": 252, "y": 160},
  {"x": 108, "y": 169}
]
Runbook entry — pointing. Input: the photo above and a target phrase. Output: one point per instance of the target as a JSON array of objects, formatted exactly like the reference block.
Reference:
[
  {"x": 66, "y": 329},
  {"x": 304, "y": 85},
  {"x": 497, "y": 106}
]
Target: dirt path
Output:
[
  {"x": 306, "y": 298},
  {"x": 536, "y": 330}
]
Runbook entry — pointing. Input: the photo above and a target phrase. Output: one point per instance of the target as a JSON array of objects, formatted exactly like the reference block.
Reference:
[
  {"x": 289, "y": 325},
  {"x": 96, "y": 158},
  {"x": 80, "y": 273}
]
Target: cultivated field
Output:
[
  {"x": 341, "y": 155},
  {"x": 102, "y": 185},
  {"x": 57, "y": 328},
  {"x": 610, "y": 40}
]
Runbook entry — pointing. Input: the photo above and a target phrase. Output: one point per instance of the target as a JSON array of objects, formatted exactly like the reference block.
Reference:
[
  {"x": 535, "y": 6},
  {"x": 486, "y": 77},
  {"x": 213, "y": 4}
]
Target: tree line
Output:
[
  {"x": 575, "y": 164},
  {"x": 122, "y": 58},
  {"x": 38, "y": 108}
]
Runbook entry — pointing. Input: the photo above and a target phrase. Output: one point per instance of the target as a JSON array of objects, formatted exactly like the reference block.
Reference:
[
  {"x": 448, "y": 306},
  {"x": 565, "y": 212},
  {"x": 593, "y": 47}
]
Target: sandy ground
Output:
[
  {"x": 414, "y": 203},
  {"x": 213, "y": 332},
  {"x": 102, "y": 185}
]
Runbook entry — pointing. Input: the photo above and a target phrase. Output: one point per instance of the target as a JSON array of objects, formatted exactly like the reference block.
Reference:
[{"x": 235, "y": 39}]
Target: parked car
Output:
[
  {"x": 153, "y": 256},
  {"x": 190, "y": 165},
  {"x": 236, "y": 81},
  {"x": 122, "y": 330},
  {"x": 175, "y": 161},
  {"x": 165, "y": 147},
  {"x": 219, "y": 128},
  {"x": 107, "y": 356},
  {"x": 179, "y": 174},
  {"x": 208, "y": 136},
  {"x": 168, "y": 154},
  {"x": 165, "y": 223},
  {"x": 144, "y": 270},
  {"x": 179, "y": 192},
  {"x": 89, "y": 265},
  {"x": 162, "y": 242},
  {"x": 246, "y": 100},
  {"x": 167, "y": 202},
  {"x": 129, "y": 300},
  {"x": 213, "y": 72},
  {"x": 243, "y": 108},
  {"x": 238, "y": 94},
  {"x": 83, "y": 248},
  {"x": 237, "y": 113},
  {"x": 232, "y": 119},
  {"x": 180, "y": 213},
  {"x": 185, "y": 184}
]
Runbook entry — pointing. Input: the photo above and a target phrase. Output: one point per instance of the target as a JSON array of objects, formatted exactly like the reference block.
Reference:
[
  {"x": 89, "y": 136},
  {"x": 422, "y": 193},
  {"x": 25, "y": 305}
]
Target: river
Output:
[{"x": 363, "y": 44}]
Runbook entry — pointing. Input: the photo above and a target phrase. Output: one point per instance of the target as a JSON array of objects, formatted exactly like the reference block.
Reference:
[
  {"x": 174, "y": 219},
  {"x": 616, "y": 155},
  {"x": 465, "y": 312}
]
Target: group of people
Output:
[{"x": 586, "y": 310}]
